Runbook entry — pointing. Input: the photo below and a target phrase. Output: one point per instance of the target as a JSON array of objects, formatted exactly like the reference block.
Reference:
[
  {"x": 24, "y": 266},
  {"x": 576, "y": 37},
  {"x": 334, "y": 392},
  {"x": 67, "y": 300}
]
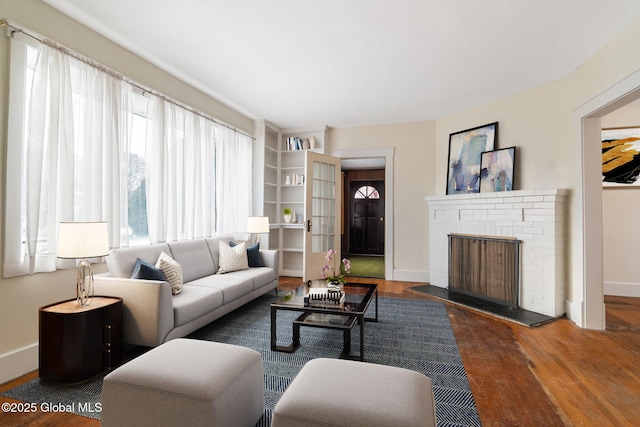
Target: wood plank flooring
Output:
[{"x": 553, "y": 375}]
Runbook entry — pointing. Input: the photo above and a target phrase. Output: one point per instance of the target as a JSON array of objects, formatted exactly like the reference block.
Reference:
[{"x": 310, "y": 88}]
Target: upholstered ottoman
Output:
[
  {"x": 186, "y": 382},
  {"x": 333, "y": 392}
]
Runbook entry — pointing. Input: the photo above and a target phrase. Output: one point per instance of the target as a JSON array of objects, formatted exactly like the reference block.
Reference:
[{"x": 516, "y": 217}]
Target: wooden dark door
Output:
[{"x": 366, "y": 228}]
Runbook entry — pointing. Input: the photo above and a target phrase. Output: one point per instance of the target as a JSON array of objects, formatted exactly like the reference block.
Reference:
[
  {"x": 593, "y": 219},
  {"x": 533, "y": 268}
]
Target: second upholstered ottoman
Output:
[{"x": 186, "y": 382}]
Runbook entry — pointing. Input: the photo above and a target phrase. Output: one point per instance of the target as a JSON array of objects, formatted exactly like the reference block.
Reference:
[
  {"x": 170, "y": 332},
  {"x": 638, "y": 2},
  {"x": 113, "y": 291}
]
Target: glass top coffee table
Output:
[{"x": 357, "y": 298}]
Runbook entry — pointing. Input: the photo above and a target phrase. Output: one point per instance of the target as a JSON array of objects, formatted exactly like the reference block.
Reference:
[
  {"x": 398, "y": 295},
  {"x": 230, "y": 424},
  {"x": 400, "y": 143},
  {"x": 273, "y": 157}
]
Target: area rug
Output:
[{"x": 412, "y": 334}]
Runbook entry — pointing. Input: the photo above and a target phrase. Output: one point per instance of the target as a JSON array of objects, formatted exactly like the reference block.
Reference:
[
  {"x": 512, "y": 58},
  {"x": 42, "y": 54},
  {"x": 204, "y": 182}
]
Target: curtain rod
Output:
[{"x": 17, "y": 29}]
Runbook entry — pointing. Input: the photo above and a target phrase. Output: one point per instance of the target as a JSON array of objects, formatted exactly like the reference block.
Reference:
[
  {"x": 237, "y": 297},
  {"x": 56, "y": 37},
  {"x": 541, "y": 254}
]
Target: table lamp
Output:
[
  {"x": 258, "y": 225},
  {"x": 82, "y": 240}
]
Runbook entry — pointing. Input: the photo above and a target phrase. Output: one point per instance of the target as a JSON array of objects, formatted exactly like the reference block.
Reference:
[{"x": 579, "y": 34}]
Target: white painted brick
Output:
[{"x": 534, "y": 217}]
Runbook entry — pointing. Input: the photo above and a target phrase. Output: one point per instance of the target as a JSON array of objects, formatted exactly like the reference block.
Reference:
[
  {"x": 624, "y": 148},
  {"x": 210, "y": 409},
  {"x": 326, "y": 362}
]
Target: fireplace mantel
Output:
[{"x": 537, "y": 218}]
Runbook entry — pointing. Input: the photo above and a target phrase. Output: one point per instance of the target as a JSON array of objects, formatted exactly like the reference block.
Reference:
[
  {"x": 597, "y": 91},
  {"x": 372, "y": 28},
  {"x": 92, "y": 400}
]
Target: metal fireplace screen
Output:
[{"x": 485, "y": 267}]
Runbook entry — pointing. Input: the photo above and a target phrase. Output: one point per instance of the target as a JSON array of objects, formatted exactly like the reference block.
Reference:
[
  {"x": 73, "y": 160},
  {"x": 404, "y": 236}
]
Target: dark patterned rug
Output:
[{"x": 412, "y": 334}]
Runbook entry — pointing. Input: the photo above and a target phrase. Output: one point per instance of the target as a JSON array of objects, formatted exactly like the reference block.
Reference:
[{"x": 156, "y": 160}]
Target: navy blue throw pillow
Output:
[
  {"x": 144, "y": 270},
  {"x": 253, "y": 254}
]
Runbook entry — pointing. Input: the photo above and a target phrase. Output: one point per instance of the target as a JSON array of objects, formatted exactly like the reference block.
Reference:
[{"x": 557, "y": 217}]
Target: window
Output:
[
  {"x": 94, "y": 148},
  {"x": 137, "y": 228},
  {"x": 367, "y": 192},
  {"x": 22, "y": 62}
]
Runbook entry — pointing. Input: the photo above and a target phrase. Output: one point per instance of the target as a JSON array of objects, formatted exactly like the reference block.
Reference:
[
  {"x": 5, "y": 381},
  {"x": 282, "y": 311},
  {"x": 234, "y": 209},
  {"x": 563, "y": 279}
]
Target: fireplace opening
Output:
[{"x": 485, "y": 267}]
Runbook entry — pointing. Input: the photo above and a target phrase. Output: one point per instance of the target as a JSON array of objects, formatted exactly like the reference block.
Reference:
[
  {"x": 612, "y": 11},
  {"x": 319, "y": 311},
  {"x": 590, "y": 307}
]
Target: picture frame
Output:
[
  {"x": 465, "y": 149},
  {"x": 621, "y": 157},
  {"x": 497, "y": 170}
]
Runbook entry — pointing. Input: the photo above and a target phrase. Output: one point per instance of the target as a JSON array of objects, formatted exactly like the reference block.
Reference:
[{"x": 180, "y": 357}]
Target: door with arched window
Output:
[{"x": 366, "y": 228}]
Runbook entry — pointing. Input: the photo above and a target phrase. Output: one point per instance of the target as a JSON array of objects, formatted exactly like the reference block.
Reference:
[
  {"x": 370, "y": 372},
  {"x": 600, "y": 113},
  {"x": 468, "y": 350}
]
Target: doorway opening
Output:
[
  {"x": 590, "y": 312},
  {"x": 363, "y": 238},
  {"x": 370, "y": 159}
]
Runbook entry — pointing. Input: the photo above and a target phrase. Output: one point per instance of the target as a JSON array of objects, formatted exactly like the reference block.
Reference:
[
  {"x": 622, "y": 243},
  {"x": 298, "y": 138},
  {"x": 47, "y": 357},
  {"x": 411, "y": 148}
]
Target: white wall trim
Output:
[
  {"x": 18, "y": 363},
  {"x": 387, "y": 154},
  {"x": 588, "y": 258},
  {"x": 622, "y": 289},
  {"x": 573, "y": 310},
  {"x": 417, "y": 276}
]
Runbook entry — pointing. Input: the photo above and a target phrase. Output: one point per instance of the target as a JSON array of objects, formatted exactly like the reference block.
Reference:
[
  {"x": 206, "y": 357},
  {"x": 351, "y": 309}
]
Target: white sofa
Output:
[{"x": 153, "y": 315}]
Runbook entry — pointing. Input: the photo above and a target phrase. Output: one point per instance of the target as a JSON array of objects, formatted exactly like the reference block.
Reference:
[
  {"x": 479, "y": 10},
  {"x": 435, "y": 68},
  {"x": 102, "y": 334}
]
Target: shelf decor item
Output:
[
  {"x": 496, "y": 170},
  {"x": 83, "y": 240},
  {"x": 465, "y": 149},
  {"x": 332, "y": 274},
  {"x": 286, "y": 212}
]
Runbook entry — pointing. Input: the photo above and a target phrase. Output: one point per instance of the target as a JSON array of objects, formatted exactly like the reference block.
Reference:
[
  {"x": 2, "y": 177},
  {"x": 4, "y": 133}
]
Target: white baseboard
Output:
[
  {"x": 573, "y": 311},
  {"x": 622, "y": 289},
  {"x": 18, "y": 363},
  {"x": 417, "y": 276}
]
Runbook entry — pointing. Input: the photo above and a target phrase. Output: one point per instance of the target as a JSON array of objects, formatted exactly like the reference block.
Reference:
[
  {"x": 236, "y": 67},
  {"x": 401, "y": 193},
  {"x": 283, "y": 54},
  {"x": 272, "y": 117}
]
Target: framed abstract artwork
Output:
[
  {"x": 496, "y": 170},
  {"x": 465, "y": 148},
  {"x": 621, "y": 157}
]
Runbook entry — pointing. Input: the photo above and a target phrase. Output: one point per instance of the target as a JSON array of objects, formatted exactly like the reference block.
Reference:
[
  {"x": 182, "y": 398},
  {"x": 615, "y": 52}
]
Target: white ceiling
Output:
[{"x": 358, "y": 62}]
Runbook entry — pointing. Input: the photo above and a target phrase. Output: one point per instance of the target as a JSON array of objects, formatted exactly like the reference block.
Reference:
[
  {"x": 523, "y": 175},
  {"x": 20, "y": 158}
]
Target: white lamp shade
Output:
[
  {"x": 83, "y": 239},
  {"x": 258, "y": 224}
]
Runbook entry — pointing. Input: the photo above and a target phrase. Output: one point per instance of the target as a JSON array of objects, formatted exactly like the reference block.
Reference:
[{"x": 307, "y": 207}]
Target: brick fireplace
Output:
[{"x": 536, "y": 218}]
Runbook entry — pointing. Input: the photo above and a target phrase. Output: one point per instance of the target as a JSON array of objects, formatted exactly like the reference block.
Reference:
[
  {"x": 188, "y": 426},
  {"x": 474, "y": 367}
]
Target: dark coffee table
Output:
[{"x": 358, "y": 297}]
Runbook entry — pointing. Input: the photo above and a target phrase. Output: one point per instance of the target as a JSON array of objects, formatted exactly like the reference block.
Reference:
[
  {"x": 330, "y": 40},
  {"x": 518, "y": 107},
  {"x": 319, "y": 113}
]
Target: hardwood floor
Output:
[{"x": 553, "y": 375}]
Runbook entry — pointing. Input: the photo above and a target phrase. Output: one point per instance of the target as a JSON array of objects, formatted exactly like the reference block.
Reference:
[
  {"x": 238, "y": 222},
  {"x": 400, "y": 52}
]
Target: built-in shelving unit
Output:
[{"x": 282, "y": 153}]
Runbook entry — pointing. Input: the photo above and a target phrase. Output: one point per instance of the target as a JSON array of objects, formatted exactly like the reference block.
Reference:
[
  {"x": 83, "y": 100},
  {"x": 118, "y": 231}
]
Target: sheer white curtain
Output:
[
  {"x": 198, "y": 183},
  {"x": 76, "y": 143},
  {"x": 233, "y": 180}
]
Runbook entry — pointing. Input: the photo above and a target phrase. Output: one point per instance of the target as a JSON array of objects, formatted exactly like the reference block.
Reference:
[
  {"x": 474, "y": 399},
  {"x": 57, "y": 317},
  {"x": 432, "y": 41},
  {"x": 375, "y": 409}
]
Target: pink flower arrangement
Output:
[{"x": 329, "y": 272}]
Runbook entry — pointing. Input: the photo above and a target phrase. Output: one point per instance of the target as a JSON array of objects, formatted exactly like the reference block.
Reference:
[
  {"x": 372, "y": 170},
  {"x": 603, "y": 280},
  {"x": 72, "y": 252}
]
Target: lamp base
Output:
[{"x": 84, "y": 284}]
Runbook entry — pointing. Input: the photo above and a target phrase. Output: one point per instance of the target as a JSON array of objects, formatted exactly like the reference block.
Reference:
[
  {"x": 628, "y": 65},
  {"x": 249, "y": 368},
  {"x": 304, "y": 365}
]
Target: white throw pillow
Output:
[
  {"x": 232, "y": 258},
  {"x": 172, "y": 271}
]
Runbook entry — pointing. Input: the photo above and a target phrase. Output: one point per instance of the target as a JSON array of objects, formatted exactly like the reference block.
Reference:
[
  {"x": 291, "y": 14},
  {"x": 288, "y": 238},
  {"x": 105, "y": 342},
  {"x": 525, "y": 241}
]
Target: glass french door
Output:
[{"x": 322, "y": 206}]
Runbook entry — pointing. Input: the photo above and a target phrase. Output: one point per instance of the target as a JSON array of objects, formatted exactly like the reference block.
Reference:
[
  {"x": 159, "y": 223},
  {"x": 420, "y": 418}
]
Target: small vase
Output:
[
  {"x": 306, "y": 144},
  {"x": 294, "y": 217},
  {"x": 287, "y": 180},
  {"x": 312, "y": 143}
]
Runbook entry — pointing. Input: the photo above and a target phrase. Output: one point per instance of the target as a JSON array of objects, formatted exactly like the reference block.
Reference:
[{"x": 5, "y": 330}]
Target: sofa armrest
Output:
[
  {"x": 147, "y": 307},
  {"x": 270, "y": 259}
]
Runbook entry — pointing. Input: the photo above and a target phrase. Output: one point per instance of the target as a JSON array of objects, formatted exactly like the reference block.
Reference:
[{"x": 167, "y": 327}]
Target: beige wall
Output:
[
  {"x": 414, "y": 165},
  {"x": 543, "y": 124},
  {"x": 621, "y": 227},
  {"x": 21, "y": 297}
]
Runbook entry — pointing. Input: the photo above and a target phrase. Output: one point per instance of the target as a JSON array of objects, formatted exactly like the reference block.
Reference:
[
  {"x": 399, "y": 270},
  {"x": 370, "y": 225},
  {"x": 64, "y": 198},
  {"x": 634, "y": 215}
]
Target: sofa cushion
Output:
[
  {"x": 194, "y": 302},
  {"x": 260, "y": 276},
  {"x": 232, "y": 258},
  {"x": 233, "y": 286},
  {"x": 172, "y": 271},
  {"x": 253, "y": 254},
  {"x": 147, "y": 271},
  {"x": 194, "y": 258},
  {"x": 122, "y": 261},
  {"x": 214, "y": 245}
]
